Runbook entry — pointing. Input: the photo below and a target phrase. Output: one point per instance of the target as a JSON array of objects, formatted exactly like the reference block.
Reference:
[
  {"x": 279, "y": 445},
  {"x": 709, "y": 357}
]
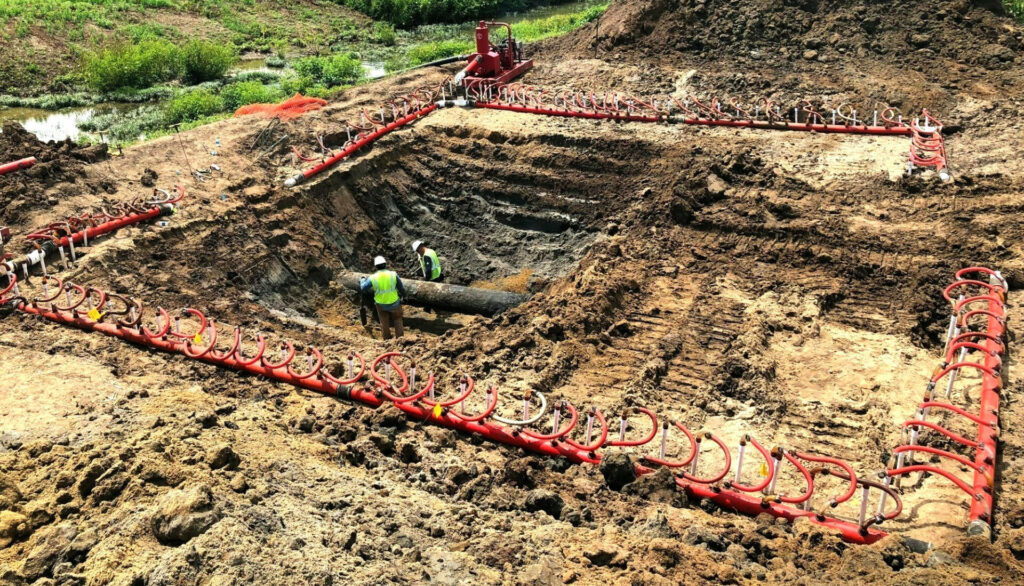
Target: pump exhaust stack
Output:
[{"x": 493, "y": 63}]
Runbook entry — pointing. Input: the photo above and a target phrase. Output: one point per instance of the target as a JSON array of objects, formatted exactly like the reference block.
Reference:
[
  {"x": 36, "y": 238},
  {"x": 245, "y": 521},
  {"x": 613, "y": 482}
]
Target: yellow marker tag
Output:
[
  {"x": 437, "y": 410},
  {"x": 94, "y": 314},
  {"x": 198, "y": 339},
  {"x": 764, "y": 469}
]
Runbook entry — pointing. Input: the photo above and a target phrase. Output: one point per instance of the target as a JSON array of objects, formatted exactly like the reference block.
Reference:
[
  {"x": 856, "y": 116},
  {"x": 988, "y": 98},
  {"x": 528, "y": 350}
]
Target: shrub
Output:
[
  {"x": 333, "y": 70},
  {"x": 236, "y": 95},
  {"x": 193, "y": 106},
  {"x": 384, "y": 32},
  {"x": 206, "y": 61},
  {"x": 133, "y": 66},
  {"x": 276, "y": 61}
]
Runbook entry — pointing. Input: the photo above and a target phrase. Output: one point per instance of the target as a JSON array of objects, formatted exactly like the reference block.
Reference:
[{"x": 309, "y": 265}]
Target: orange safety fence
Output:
[{"x": 293, "y": 107}]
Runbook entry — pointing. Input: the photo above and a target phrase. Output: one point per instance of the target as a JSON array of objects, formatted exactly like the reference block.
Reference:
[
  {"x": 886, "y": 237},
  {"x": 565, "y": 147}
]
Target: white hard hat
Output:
[
  {"x": 379, "y": 261},
  {"x": 416, "y": 245}
]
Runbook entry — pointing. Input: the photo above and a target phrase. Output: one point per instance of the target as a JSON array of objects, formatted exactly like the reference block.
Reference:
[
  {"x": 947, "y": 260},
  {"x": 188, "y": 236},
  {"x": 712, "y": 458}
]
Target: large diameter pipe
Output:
[
  {"x": 449, "y": 297},
  {"x": 17, "y": 165},
  {"x": 297, "y": 179}
]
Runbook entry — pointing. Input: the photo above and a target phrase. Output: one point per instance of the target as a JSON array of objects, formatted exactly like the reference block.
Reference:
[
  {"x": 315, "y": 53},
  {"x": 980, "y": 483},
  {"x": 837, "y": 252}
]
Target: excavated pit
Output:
[{"x": 503, "y": 213}]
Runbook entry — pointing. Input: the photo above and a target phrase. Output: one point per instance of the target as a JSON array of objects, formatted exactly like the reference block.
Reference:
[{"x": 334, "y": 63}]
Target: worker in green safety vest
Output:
[
  {"x": 430, "y": 265},
  {"x": 388, "y": 293}
]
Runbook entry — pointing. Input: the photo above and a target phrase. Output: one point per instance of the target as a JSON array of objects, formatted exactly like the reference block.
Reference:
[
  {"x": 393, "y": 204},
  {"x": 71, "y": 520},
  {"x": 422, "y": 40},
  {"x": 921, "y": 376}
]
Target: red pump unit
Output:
[{"x": 493, "y": 64}]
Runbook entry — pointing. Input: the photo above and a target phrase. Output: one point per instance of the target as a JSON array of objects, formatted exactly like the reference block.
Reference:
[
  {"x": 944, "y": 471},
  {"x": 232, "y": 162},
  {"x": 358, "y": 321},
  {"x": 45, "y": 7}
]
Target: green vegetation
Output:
[
  {"x": 206, "y": 61},
  {"x": 427, "y": 52},
  {"x": 333, "y": 70},
  {"x": 406, "y": 13},
  {"x": 384, "y": 33},
  {"x": 155, "y": 61},
  {"x": 527, "y": 31},
  {"x": 1016, "y": 8},
  {"x": 174, "y": 65},
  {"x": 193, "y": 106},
  {"x": 236, "y": 95},
  {"x": 133, "y": 66}
]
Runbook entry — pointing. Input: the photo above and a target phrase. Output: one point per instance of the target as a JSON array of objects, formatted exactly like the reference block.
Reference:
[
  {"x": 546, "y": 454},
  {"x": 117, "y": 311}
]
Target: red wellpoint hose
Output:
[
  {"x": 676, "y": 463},
  {"x": 492, "y": 403},
  {"x": 725, "y": 452},
  {"x": 954, "y": 409},
  {"x": 769, "y": 466},
  {"x": 17, "y": 165},
  {"x": 557, "y": 433},
  {"x": 467, "y": 391},
  {"x": 640, "y": 442},
  {"x": 959, "y": 305},
  {"x": 969, "y": 346},
  {"x": 808, "y": 479},
  {"x": 851, "y": 477},
  {"x": 934, "y": 470},
  {"x": 953, "y": 436},
  {"x": 992, "y": 289},
  {"x": 595, "y": 413},
  {"x": 943, "y": 453}
]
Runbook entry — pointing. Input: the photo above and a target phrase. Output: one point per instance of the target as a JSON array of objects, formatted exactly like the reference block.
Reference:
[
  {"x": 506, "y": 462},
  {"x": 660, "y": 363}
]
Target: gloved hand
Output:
[{"x": 363, "y": 281}]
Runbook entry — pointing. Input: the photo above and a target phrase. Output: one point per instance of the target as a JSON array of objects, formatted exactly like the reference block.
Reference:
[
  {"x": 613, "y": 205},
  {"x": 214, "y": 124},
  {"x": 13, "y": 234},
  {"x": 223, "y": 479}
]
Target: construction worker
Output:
[
  {"x": 430, "y": 266},
  {"x": 388, "y": 292}
]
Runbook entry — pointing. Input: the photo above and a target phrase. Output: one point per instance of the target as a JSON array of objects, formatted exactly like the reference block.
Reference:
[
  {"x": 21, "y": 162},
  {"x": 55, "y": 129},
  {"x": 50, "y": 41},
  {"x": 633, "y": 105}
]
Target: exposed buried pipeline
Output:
[{"x": 449, "y": 297}]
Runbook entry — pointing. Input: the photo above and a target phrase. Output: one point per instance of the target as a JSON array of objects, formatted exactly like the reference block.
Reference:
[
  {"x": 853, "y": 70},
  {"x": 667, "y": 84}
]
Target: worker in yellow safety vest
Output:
[
  {"x": 430, "y": 266},
  {"x": 388, "y": 293}
]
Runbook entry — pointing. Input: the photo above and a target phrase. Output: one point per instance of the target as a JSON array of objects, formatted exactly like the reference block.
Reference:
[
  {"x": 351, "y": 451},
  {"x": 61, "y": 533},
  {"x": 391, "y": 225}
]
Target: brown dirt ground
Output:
[{"x": 784, "y": 285}]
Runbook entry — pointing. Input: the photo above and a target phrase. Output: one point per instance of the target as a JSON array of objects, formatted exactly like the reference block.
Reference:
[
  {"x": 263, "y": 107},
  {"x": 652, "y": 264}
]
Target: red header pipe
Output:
[
  {"x": 293, "y": 181},
  {"x": 17, "y": 165}
]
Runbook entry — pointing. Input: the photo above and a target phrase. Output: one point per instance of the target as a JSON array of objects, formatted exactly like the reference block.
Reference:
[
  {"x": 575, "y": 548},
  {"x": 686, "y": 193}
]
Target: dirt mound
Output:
[
  {"x": 59, "y": 163},
  {"x": 943, "y": 40},
  {"x": 973, "y": 32}
]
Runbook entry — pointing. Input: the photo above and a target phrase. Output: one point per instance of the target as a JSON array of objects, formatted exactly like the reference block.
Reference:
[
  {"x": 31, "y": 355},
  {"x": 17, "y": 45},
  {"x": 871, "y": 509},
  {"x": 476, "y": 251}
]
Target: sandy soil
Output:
[{"x": 778, "y": 284}]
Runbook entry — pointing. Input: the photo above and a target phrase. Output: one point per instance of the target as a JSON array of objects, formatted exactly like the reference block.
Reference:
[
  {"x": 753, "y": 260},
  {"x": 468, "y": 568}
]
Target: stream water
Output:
[{"x": 63, "y": 123}]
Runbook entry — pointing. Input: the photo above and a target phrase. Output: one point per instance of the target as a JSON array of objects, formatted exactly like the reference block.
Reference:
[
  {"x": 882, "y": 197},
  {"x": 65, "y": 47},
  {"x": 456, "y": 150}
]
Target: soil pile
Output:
[
  {"x": 952, "y": 45},
  {"x": 59, "y": 163},
  {"x": 920, "y": 34}
]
